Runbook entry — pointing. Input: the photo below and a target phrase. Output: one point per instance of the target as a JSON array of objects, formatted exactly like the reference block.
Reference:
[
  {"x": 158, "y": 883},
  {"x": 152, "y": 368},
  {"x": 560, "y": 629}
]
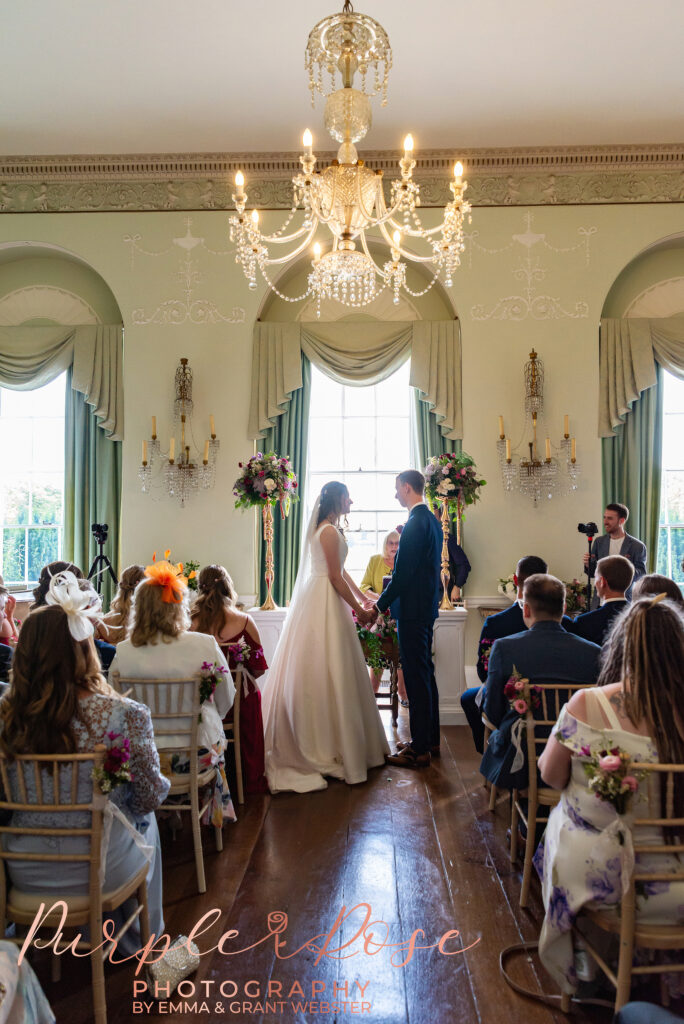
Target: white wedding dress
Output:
[{"x": 320, "y": 714}]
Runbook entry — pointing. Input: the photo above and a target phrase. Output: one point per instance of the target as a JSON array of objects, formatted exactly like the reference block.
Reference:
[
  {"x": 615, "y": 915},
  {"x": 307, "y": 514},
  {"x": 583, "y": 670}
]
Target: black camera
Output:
[
  {"x": 591, "y": 529},
  {"x": 100, "y": 531}
]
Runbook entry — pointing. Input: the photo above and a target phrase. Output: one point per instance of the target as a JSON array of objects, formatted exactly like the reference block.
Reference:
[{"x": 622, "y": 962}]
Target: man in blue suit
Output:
[
  {"x": 545, "y": 653},
  {"x": 614, "y": 576},
  {"x": 413, "y": 595},
  {"x": 504, "y": 623},
  {"x": 615, "y": 541}
]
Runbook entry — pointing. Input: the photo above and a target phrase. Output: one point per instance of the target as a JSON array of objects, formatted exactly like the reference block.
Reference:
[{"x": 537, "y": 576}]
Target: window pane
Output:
[
  {"x": 14, "y": 502},
  {"x": 393, "y": 438},
  {"x": 677, "y": 546},
  {"x": 326, "y": 395},
  {"x": 13, "y": 555},
  {"x": 359, "y": 401},
  {"x": 674, "y": 394},
  {"x": 359, "y": 443},
  {"x": 392, "y": 395},
  {"x": 48, "y": 444},
  {"x": 15, "y": 444},
  {"x": 46, "y": 506},
  {"x": 363, "y": 490},
  {"x": 43, "y": 548},
  {"x": 325, "y": 444}
]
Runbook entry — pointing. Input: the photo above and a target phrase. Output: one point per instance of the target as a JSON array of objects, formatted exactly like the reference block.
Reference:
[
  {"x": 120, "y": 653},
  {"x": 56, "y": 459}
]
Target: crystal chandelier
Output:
[
  {"x": 348, "y": 197},
  {"x": 533, "y": 476},
  {"x": 185, "y": 473}
]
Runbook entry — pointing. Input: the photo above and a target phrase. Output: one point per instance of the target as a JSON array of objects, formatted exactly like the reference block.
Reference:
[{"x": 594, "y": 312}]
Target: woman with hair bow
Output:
[
  {"x": 59, "y": 703},
  {"x": 161, "y": 646}
]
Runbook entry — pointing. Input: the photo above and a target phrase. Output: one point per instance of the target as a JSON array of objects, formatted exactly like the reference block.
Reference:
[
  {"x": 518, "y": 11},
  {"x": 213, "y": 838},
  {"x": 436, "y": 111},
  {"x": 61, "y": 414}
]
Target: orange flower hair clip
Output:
[{"x": 170, "y": 578}]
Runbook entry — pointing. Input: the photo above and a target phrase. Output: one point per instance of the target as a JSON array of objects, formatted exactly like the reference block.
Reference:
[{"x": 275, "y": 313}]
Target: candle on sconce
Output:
[
  {"x": 566, "y": 426},
  {"x": 212, "y": 426},
  {"x": 501, "y": 427},
  {"x": 172, "y": 449},
  {"x": 508, "y": 449},
  {"x": 548, "y": 449},
  {"x": 154, "y": 428},
  {"x": 206, "y": 452},
  {"x": 144, "y": 451},
  {"x": 573, "y": 450}
]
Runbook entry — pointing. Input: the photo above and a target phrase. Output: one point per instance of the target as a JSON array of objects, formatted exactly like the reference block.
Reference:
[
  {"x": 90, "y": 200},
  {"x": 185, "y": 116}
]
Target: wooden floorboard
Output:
[{"x": 421, "y": 849}]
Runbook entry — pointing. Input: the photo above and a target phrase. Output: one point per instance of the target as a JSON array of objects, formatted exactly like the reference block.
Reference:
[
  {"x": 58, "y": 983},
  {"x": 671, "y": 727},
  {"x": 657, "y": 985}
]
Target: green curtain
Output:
[
  {"x": 429, "y": 439},
  {"x": 289, "y": 436},
  {"x": 92, "y": 487},
  {"x": 632, "y": 466}
]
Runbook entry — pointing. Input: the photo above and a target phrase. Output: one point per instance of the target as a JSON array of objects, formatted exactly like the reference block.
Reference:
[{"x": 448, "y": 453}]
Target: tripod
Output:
[
  {"x": 590, "y": 575},
  {"x": 101, "y": 564}
]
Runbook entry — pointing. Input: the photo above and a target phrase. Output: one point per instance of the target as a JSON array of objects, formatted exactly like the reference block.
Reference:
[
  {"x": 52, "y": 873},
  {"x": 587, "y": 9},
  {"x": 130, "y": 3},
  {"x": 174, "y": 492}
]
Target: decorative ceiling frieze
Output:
[{"x": 497, "y": 177}]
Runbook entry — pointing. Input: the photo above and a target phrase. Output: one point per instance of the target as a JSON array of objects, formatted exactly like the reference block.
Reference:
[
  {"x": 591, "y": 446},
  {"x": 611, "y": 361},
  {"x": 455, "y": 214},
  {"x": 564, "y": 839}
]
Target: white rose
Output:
[
  {"x": 450, "y": 486},
  {"x": 269, "y": 485}
]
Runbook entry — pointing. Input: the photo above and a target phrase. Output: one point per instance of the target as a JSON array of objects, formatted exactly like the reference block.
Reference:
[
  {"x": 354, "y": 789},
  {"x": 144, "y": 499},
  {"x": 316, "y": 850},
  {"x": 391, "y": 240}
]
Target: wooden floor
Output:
[{"x": 420, "y": 847}]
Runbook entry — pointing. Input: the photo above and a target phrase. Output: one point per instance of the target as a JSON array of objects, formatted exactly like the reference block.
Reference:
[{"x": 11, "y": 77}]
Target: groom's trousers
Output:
[{"x": 415, "y": 649}]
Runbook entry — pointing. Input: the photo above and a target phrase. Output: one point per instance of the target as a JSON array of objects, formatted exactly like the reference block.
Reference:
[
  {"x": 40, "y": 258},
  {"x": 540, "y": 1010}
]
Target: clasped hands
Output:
[{"x": 368, "y": 613}]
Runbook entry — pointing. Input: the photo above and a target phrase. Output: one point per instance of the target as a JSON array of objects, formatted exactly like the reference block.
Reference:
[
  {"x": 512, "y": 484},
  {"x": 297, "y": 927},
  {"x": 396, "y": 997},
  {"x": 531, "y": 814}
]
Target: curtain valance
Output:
[
  {"x": 33, "y": 356},
  {"x": 357, "y": 353},
  {"x": 629, "y": 350}
]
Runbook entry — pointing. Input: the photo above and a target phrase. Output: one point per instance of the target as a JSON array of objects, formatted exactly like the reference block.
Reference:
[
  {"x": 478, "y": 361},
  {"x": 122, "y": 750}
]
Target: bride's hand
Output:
[{"x": 365, "y": 616}]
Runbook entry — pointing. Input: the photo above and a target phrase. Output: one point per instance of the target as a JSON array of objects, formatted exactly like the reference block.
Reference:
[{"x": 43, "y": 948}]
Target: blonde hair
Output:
[
  {"x": 123, "y": 599},
  {"x": 216, "y": 596},
  {"x": 392, "y": 535},
  {"x": 151, "y": 616}
]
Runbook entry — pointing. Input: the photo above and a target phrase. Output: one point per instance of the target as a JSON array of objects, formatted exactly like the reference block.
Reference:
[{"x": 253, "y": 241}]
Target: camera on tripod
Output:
[
  {"x": 590, "y": 529},
  {"x": 100, "y": 531}
]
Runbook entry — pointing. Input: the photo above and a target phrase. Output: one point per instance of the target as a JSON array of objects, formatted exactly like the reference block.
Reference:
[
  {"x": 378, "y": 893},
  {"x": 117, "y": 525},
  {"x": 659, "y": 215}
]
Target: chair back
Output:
[
  {"x": 49, "y": 784},
  {"x": 175, "y": 709},
  {"x": 539, "y": 722}
]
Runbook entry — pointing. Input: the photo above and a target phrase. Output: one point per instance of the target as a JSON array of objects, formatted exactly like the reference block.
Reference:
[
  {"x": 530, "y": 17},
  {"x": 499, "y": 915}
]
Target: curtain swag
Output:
[
  {"x": 357, "y": 353},
  {"x": 33, "y": 356},
  {"x": 629, "y": 350}
]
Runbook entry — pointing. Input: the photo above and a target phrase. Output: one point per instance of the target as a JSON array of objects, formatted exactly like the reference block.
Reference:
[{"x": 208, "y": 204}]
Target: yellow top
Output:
[{"x": 375, "y": 570}]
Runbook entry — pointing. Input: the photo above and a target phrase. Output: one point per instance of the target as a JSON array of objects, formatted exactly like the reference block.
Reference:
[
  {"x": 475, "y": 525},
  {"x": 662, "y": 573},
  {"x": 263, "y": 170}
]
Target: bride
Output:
[{"x": 320, "y": 715}]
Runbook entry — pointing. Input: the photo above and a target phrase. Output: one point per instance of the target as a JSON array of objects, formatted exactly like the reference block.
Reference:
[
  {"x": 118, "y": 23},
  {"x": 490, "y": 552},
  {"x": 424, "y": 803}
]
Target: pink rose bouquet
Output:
[
  {"x": 520, "y": 695},
  {"x": 454, "y": 478},
  {"x": 610, "y": 776},
  {"x": 266, "y": 479},
  {"x": 115, "y": 770}
]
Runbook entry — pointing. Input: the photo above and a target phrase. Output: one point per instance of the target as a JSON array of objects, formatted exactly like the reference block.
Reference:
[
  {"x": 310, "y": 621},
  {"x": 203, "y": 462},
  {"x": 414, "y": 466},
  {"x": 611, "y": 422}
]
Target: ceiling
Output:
[{"x": 173, "y": 76}]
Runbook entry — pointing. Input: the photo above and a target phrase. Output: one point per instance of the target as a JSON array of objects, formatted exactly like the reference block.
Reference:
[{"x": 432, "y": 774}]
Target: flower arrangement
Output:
[
  {"x": 454, "y": 478},
  {"x": 374, "y": 640},
  {"x": 610, "y": 777},
  {"x": 265, "y": 480},
  {"x": 210, "y": 676},
  {"x": 520, "y": 695},
  {"x": 115, "y": 770},
  {"x": 239, "y": 652},
  {"x": 485, "y": 649},
  {"x": 575, "y": 598},
  {"x": 191, "y": 571},
  {"x": 507, "y": 586}
]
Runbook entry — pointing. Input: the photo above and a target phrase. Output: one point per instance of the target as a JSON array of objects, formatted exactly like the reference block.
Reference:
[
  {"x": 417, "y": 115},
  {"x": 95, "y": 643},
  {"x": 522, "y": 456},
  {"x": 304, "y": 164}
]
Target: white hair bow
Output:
[{"x": 66, "y": 592}]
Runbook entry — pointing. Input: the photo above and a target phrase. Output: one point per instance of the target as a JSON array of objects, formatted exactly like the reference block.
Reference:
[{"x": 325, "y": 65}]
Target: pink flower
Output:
[
  {"x": 520, "y": 706},
  {"x": 519, "y": 685},
  {"x": 609, "y": 763},
  {"x": 631, "y": 783},
  {"x": 585, "y": 751}
]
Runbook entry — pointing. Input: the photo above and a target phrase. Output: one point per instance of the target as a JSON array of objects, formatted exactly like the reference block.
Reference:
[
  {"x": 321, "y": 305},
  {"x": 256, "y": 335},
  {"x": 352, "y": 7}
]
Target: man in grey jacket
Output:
[{"x": 615, "y": 541}]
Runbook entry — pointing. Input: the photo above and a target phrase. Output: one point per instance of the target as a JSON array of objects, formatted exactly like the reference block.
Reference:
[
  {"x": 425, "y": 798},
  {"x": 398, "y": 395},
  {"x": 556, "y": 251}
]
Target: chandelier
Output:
[
  {"x": 348, "y": 197},
  {"x": 537, "y": 478},
  {"x": 183, "y": 473}
]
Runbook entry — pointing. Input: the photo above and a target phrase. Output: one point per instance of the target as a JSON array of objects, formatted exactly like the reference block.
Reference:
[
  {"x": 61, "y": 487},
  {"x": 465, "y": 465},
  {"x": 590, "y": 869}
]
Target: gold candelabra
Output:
[{"x": 267, "y": 514}]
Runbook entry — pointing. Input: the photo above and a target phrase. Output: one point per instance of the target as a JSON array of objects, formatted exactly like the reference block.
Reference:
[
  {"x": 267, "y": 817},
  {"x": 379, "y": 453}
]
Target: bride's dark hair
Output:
[{"x": 332, "y": 496}]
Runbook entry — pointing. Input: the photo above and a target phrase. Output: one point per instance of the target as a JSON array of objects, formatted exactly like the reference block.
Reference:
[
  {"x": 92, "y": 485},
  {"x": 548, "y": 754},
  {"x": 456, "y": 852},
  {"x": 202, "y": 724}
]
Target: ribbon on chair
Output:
[
  {"x": 110, "y": 811},
  {"x": 516, "y": 740}
]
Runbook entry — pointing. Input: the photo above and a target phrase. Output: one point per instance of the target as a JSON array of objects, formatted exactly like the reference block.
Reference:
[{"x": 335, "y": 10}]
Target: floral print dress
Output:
[{"x": 585, "y": 854}]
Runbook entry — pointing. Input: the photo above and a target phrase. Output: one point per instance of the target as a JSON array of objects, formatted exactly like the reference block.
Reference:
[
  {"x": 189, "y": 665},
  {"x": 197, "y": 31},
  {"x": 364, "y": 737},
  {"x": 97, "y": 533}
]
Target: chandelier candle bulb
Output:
[
  {"x": 573, "y": 450},
  {"x": 317, "y": 251},
  {"x": 548, "y": 449},
  {"x": 307, "y": 141},
  {"x": 154, "y": 428},
  {"x": 255, "y": 217},
  {"x": 508, "y": 449},
  {"x": 206, "y": 452},
  {"x": 458, "y": 172},
  {"x": 240, "y": 183},
  {"x": 212, "y": 427},
  {"x": 408, "y": 145},
  {"x": 566, "y": 426},
  {"x": 144, "y": 453},
  {"x": 172, "y": 449},
  {"x": 501, "y": 428}
]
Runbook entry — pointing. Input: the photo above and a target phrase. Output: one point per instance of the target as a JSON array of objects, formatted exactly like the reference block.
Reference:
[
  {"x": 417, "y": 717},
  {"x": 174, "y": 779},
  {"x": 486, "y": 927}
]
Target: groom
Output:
[{"x": 413, "y": 593}]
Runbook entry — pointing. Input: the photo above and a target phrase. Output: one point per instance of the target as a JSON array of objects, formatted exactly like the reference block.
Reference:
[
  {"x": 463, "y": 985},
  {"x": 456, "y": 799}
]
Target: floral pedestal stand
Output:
[
  {"x": 447, "y": 604},
  {"x": 269, "y": 604}
]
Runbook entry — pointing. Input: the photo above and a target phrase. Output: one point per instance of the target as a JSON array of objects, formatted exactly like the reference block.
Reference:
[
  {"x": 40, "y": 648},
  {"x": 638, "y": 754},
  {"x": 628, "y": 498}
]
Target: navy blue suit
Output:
[
  {"x": 546, "y": 653},
  {"x": 595, "y": 625},
  {"x": 505, "y": 623},
  {"x": 413, "y": 594}
]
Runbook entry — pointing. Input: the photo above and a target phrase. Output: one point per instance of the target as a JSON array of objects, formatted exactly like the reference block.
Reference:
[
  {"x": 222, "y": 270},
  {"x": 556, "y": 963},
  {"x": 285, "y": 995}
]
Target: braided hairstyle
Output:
[
  {"x": 332, "y": 496},
  {"x": 216, "y": 596},
  {"x": 645, "y": 649},
  {"x": 123, "y": 599}
]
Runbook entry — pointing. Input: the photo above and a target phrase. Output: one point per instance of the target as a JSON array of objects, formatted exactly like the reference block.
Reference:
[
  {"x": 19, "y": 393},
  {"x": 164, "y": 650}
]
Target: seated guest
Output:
[
  {"x": 614, "y": 576},
  {"x": 504, "y": 623},
  {"x": 215, "y": 613},
  {"x": 378, "y": 569},
  {"x": 105, "y": 651},
  {"x": 6, "y": 655},
  {"x": 459, "y": 566},
  {"x": 654, "y": 584},
  {"x": 58, "y": 703},
  {"x": 8, "y": 633},
  {"x": 544, "y": 653},
  {"x": 583, "y": 855},
  {"x": 116, "y": 619},
  {"x": 160, "y": 646}
]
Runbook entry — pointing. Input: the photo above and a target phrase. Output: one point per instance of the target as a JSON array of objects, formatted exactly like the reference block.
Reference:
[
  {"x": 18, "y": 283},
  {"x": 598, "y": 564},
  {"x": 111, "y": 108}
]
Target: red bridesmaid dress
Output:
[{"x": 251, "y": 721}]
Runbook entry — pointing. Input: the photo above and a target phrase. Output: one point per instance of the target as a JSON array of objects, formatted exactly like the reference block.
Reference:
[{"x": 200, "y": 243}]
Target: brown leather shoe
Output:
[
  {"x": 407, "y": 758},
  {"x": 435, "y": 751}
]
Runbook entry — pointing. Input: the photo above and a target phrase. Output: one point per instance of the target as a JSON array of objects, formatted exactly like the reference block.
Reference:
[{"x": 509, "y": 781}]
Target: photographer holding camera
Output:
[{"x": 615, "y": 541}]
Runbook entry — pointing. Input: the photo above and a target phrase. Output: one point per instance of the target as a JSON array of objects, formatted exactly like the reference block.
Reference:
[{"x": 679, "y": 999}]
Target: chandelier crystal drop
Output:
[{"x": 347, "y": 197}]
